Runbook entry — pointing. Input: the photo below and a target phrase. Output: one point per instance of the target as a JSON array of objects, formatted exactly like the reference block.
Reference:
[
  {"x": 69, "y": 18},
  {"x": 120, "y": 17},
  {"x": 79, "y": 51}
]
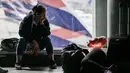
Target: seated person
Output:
[{"x": 35, "y": 29}]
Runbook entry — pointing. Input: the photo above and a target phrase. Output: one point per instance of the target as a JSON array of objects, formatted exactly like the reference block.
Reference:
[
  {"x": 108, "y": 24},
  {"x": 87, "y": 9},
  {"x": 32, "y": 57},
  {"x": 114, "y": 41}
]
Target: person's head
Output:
[{"x": 39, "y": 11}]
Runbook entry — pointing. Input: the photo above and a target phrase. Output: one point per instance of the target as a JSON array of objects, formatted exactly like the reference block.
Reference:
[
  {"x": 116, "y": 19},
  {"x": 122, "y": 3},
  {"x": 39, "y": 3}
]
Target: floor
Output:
[{"x": 39, "y": 70}]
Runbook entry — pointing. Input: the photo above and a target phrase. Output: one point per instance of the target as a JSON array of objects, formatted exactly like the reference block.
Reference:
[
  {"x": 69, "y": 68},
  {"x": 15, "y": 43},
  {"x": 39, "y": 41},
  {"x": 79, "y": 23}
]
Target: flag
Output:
[{"x": 66, "y": 28}]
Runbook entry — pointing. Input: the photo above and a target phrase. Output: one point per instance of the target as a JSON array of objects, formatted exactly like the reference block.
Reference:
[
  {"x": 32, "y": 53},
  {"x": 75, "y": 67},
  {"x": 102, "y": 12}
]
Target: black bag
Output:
[
  {"x": 94, "y": 62},
  {"x": 9, "y": 44},
  {"x": 71, "y": 58},
  {"x": 118, "y": 50}
]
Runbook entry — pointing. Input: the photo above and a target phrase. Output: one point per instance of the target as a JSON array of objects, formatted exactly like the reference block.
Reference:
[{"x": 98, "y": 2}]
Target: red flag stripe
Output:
[
  {"x": 65, "y": 34},
  {"x": 53, "y": 3}
]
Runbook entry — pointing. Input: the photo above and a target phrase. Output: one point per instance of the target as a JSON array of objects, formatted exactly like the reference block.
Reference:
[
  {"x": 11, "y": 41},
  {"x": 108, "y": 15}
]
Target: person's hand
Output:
[{"x": 42, "y": 20}]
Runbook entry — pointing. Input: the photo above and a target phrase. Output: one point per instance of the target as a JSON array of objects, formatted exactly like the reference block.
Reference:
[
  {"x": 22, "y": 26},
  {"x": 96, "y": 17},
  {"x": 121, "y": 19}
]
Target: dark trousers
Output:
[{"x": 43, "y": 43}]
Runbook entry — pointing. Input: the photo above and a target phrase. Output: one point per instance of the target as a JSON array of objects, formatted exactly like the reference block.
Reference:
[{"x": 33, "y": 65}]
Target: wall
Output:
[{"x": 101, "y": 17}]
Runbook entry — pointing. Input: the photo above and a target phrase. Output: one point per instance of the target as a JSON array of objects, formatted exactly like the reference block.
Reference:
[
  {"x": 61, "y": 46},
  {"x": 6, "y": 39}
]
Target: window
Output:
[{"x": 70, "y": 20}]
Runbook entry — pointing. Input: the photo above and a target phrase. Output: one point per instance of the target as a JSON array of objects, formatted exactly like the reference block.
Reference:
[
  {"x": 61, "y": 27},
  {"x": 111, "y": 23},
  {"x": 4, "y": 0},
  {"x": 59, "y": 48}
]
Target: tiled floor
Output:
[{"x": 28, "y": 70}]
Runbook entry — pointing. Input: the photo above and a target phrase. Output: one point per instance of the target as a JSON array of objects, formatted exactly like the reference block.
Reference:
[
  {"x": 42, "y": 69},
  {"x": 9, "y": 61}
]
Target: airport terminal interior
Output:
[{"x": 85, "y": 36}]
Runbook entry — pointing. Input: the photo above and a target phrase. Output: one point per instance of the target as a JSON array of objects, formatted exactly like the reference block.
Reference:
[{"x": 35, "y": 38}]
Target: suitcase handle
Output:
[{"x": 124, "y": 16}]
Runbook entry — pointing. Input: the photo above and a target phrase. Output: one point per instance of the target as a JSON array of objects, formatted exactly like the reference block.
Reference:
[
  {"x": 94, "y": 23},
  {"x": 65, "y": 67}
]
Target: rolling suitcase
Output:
[{"x": 118, "y": 49}]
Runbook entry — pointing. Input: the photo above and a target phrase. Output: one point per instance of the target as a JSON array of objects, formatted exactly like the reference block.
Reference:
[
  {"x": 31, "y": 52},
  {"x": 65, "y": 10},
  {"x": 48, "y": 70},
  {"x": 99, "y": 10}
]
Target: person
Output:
[{"x": 35, "y": 29}]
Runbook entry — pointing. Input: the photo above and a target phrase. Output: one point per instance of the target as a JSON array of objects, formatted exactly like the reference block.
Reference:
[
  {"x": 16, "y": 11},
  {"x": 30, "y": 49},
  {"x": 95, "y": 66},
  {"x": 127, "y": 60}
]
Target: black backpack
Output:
[
  {"x": 9, "y": 44},
  {"x": 71, "y": 58}
]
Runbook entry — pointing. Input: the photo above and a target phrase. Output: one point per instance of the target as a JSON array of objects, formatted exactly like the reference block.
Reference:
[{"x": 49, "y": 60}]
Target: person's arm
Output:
[
  {"x": 45, "y": 28},
  {"x": 46, "y": 23},
  {"x": 26, "y": 27},
  {"x": 22, "y": 28}
]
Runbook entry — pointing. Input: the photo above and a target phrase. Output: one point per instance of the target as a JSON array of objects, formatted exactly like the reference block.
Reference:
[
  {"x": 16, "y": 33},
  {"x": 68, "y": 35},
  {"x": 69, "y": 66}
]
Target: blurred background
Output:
[{"x": 74, "y": 18}]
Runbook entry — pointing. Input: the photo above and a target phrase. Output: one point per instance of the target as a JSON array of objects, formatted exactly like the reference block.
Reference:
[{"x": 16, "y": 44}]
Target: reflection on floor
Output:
[{"x": 35, "y": 70}]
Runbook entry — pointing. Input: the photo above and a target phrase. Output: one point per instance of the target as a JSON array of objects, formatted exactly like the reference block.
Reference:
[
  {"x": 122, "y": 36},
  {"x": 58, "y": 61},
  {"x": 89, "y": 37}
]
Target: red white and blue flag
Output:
[{"x": 66, "y": 28}]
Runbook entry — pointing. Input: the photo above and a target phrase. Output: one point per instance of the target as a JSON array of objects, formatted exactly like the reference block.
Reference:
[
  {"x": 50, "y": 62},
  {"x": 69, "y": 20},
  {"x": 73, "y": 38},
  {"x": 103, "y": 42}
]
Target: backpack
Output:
[
  {"x": 71, "y": 57},
  {"x": 9, "y": 44}
]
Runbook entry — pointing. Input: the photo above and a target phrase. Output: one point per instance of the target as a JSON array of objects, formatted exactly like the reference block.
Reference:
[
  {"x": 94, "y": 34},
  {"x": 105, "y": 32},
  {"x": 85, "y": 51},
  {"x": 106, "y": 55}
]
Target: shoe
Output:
[
  {"x": 53, "y": 65},
  {"x": 18, "y": 66},
  {"x": 3, "y": 71}
]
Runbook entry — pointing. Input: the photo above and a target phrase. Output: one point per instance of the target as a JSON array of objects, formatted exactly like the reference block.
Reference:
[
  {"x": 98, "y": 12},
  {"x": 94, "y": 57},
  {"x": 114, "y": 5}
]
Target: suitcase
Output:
[{"x": 118, "y": 48}]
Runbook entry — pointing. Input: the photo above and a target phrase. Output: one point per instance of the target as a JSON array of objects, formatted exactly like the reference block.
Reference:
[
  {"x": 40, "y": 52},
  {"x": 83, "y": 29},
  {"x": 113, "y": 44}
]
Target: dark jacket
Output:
[{"x": 28, "y": 31}]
